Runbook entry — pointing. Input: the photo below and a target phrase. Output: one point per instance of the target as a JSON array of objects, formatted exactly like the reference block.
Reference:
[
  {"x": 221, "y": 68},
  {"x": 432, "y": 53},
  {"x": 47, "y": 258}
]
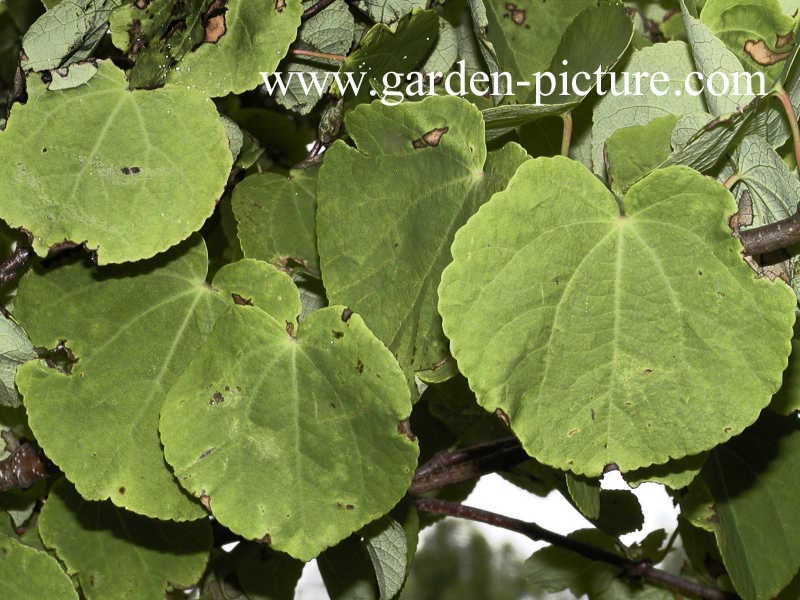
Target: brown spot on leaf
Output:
[
  {"x": 141, "y": 4},
  {"x": 206, "y": 453},
  {"x": 349, "y": 507},
  {"x": 280, "y": 5},
  {"x": 500, "y": 414},
  {"x": 430, "y": 139},
  {"x": 610, "y": 467},
  {"x": 346, "y": 314},
  {"x": 359, "y": 366},
  {"x": 215, "y": 28},
  {"x": 647, "y": 371},
  {"x": 404, "y": 428},
  {"x": 241, "y": 301},
  {"x": 130, "y": 170},
  {"x": 121, "y": 489},
  {"x": 205, "y": 500},
  {"x": 592, "y": 414},
  {"x": 290, "y": 329},
  {"x": 337, "y": 334},
  {"x": 517, "y": 15},
  {"x": 760, "y": 53},
  {"x": 265, "y": 539},
  {"x": 782, "y": 41},
  {"x": 573, "y": 431},
  {"x": 216, "y": 398}
]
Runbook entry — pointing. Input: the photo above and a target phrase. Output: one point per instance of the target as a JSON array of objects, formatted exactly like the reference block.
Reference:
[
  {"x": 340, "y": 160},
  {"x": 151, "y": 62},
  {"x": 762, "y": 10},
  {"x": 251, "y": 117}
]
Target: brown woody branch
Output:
[
  {"x": 631, "y": 569},
  {"x": 770, "y": 238},
  {"x": 456, "y": 466},
  {"x": 15, "y": 264}
]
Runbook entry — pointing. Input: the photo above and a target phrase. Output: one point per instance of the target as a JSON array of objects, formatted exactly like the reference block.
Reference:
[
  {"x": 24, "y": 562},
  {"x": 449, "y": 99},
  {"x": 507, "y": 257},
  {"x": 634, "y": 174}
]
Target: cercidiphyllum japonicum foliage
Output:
[{"x": 251, "y": 339}]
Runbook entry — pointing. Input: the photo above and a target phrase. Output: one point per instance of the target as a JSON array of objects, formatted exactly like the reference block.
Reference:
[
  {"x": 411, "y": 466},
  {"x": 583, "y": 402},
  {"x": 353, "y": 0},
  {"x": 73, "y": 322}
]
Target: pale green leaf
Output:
[
  {"x": 73, "y": 76},
  {"x": 132, "y": 333},
  {"x": 386, "y": 544},
  {"x": 389, "y": 11},
  {"x": 66, "y": 33},
  {"x": 329, "y": 31},
  {"x": 445, "y": 53},
  {"x": 612, "y": 313},
  {"x": 388, "y": 210},
  {"x": 700, "y": 140},
  {"x": 711, "y": 56},
  {"x": 756, "y": 31},
  {"x": 132, "y": 154},
  {"x": 15, "y": 348},
  {"x": 614, "y": 112},
  {"x": 257, "y": 36},
  {"x": 29, "y": 574},
  {"x": 275, "y": 218},
  {"x": 258, "y": 422},
  {"x": 633, "y": 152},
  {"x": 751, "y": 481},
  {"x": 119, "y": 555}
]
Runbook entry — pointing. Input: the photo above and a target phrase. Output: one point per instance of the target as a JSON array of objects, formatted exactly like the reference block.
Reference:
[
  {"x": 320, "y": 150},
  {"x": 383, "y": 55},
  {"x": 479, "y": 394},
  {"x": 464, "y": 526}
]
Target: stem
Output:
[
  {"x": 769, "y": 238},
  {"x": 317, "y": 8},
  {"x": 731, "y": 181},
  {"x": 457, "y": 466},
  {"x": 790, "y": 114},
  {"x": 566, "y": 136},
  {"x": 324, "y": 55},
  {"x": 632, "y": 569}
]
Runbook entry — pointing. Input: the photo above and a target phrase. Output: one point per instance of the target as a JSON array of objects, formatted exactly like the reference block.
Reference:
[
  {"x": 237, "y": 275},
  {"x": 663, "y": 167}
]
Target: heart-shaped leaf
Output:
[
  {"x": 257, "y": 424},
  {"x": 133, "y": 155},
  {"x": 612, "y": 333},
  {"x": 30, "y": 574}
]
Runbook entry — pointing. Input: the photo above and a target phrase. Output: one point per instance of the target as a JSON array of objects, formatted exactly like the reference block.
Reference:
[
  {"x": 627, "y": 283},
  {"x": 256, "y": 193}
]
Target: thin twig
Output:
[
  {"x": 770, "y": 238},
  {"x": 732, "y": 181},
  {"x": 324, "y": 55},
  {"x": 566, "y": 136},
  {"x": 632, "y": 569},
  {"x": 783, "y": 96},
  {"x": 316, "y": 9},
  {"x": 465, "y": 464}
]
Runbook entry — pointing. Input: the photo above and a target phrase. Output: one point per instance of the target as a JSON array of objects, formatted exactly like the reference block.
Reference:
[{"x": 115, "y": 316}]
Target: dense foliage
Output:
[{"x": 307, "y": 320}]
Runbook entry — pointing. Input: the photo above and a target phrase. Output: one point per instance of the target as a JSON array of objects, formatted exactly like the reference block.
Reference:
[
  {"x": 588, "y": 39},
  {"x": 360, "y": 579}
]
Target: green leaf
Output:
[
  {"x": 751, "y": 485},
  {"x": 711, "y": 56},
  {"x": 386, "y": 544},
  {"x": 675, "y": 474},
  {"x": 329, "y": 31},
  {"x": 29, "y": 574},
  {"x": 117, "y": 554},
  {"x": 610, "y": 314},
  {"x": 594, "y": 41},
  {"x": 383, "y": 239},
  {"x": 554, "y": 569},
  {"x": 617, "y": 111},
  {"x": 275, "y": 218},
  {"x": 346, "y": 395},
  {"x": 633, "y": 152},
  {"x": 131, "y": 154},
  {"x": 132, "y": 332},
  {"x": 787, "y": 400},
  {"x": 756, "y": 31},
  {"x": 347, "y": 572},
  {"x": 15, "y": 349},
  {"x": 157, "y": 35},
  {"x": 66, "y": 33},
  {"x": 383, "y": 50},
  {"x": 620, "y": 512},
  {"x": 389, "y": 11},
  {"x": 445, "y": 53},
  {"x": 527, "y": 36},
  {"x": 257, "y": 36},
  {"x": 585, "y": 494},
  {"x": 265, "y": 574}
]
